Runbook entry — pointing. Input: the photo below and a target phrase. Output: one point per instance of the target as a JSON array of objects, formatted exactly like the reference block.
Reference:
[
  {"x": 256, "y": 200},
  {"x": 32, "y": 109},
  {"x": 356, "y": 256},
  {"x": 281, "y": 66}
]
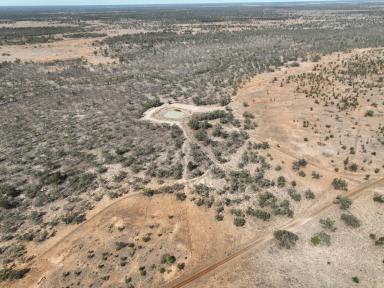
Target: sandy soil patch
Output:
[{"x": 60, "y": 50}]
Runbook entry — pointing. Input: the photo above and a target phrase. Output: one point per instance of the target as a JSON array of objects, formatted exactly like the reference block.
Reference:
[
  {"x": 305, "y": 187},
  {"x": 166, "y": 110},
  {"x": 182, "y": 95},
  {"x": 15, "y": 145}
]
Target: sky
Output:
[{"x": 118, "y": 2}]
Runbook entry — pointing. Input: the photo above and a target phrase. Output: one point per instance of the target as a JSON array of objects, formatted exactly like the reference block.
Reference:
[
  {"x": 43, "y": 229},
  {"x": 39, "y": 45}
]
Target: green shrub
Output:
[
  {"x": 378, "y": 198},
  {"x": 9, "y": 190},
  {"x": 54, "y": 178},
  {"x": 181, "y": 196},
  {"x": 299, "y": 163},
  {"x": 148, "y": 192},
  {"x": 237, "y": 212},
  {"x": 321, "y": 238},
  {"x": 356, "y": 279},
  {"x": 146, "y": 238},
  {"x": 194, "y": 123},
  {"x": 120, "y": 245},
  {"x": 315, "y": 58},
  {"x": 239, "y": 221},
  {"x": 369, "y": 113},
  {"x": 168, "y": 259},
  {"x": 219, "y": 217},
  {"x": 294, "y": 194},
  {"x": 309, "y": 194},
  {"x": 281, "y": 181},
  {"x": 120, "y": 177},
  {"x": 329, "y": 224},
  {"x": 73, "y": 217},
  {"x": 285, "y": 238},
  {"x": 13, "y": 274},
  {"x": 201, "y": 135},
  {"x": 380, "y": 241},
  {"x": 263, "y": 215},
  {"x": 340, "y": 184},
  {"x": 315, "y": 175},
  {"x": 142, "y": 271},
  {"x": 266, "y": 199},
  {"x": 344, "y": 202},
  {"x": 282, "y": 208},
  {"x": 350, "y": 220},
  {"x": 150, "y": 103}
]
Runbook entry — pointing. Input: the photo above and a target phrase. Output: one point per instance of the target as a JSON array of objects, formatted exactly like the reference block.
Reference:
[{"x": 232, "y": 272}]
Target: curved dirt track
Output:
[
  {"x": 257, "y": 242},
  {"x": 156, "y": 115}
]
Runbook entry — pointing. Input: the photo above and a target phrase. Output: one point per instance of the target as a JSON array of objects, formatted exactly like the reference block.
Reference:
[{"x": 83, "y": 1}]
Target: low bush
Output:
[
  {"x": 266, "y": 199},
  {"x": 294, "y": 194},
  {"x": 298, "y": 164},
  {"x": 120, "y": 245},
  {"x": 380, "y": 241},
  {"x": 286, "y": 238},
  {"x": 356, "y": 279},
  {"x": 181, "y": 196},
  {"x": 340, "y": 184},
  {"x": 281, "y": 181},
  {"x": 350, "y": 220},
  {"x": 378, "y": 198},
  {"x": 321, "y": 238},
  {"x": 329, "y": 224},
  {"x": 168, "y": 259},
  {"x": 239, "y": 221},
  {"x": 12, "y": 274},
  {"x": 309, "y": 194},
  {"x": 344, "y": 202}
]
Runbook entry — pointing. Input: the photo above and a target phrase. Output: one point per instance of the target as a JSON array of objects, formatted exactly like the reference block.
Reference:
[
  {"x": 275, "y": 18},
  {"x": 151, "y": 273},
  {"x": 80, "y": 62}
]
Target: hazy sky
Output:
[{"x": 112, "y": 2}]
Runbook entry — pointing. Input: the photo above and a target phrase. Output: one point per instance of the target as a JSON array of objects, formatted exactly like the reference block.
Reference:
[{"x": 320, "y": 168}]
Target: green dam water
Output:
[{"x": 174, "y": 114}]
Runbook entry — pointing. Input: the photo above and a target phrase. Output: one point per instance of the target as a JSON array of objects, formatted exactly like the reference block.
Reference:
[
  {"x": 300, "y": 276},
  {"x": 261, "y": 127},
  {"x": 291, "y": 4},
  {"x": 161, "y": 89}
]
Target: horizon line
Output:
[{"x": 192, "y": 3}]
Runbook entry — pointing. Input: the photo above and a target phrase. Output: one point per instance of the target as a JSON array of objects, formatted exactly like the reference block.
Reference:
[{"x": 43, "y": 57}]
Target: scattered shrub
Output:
[
  {"x": 356, "y": 279},
  {"x": 294, "y": 194},
  {"x": 350, "y": 220},
  {"x": 329, "y": 224},
  {"x": 380, "y": 241},
  {"x": 344, "y": 202},
  {"x": 181, "y": 196},
  {"x": 286, "y": 238},
  {"x": 150, "y": 103},
  {"x": 321, "y": 238},
  {"x": 168, "y": 259},
  {"x": 13, "y": 274},
  {"x": 219, "y": 217},
  {"x": 315, "y": 175},
  {"x": 266, "y": 199},
  {"x": 309, "y": 194},
  {"x": 298, "y": 164},
  {"x": 369, "y": 113},
  {"x": 120, "y": 245},
  {"x": 340, "y": 184},
  {"x": 239, "y": 221},
  {"x": 281, "y": 181},
  {"x": 263, "y": 215},
  {"x": 378, "y": 198}
]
